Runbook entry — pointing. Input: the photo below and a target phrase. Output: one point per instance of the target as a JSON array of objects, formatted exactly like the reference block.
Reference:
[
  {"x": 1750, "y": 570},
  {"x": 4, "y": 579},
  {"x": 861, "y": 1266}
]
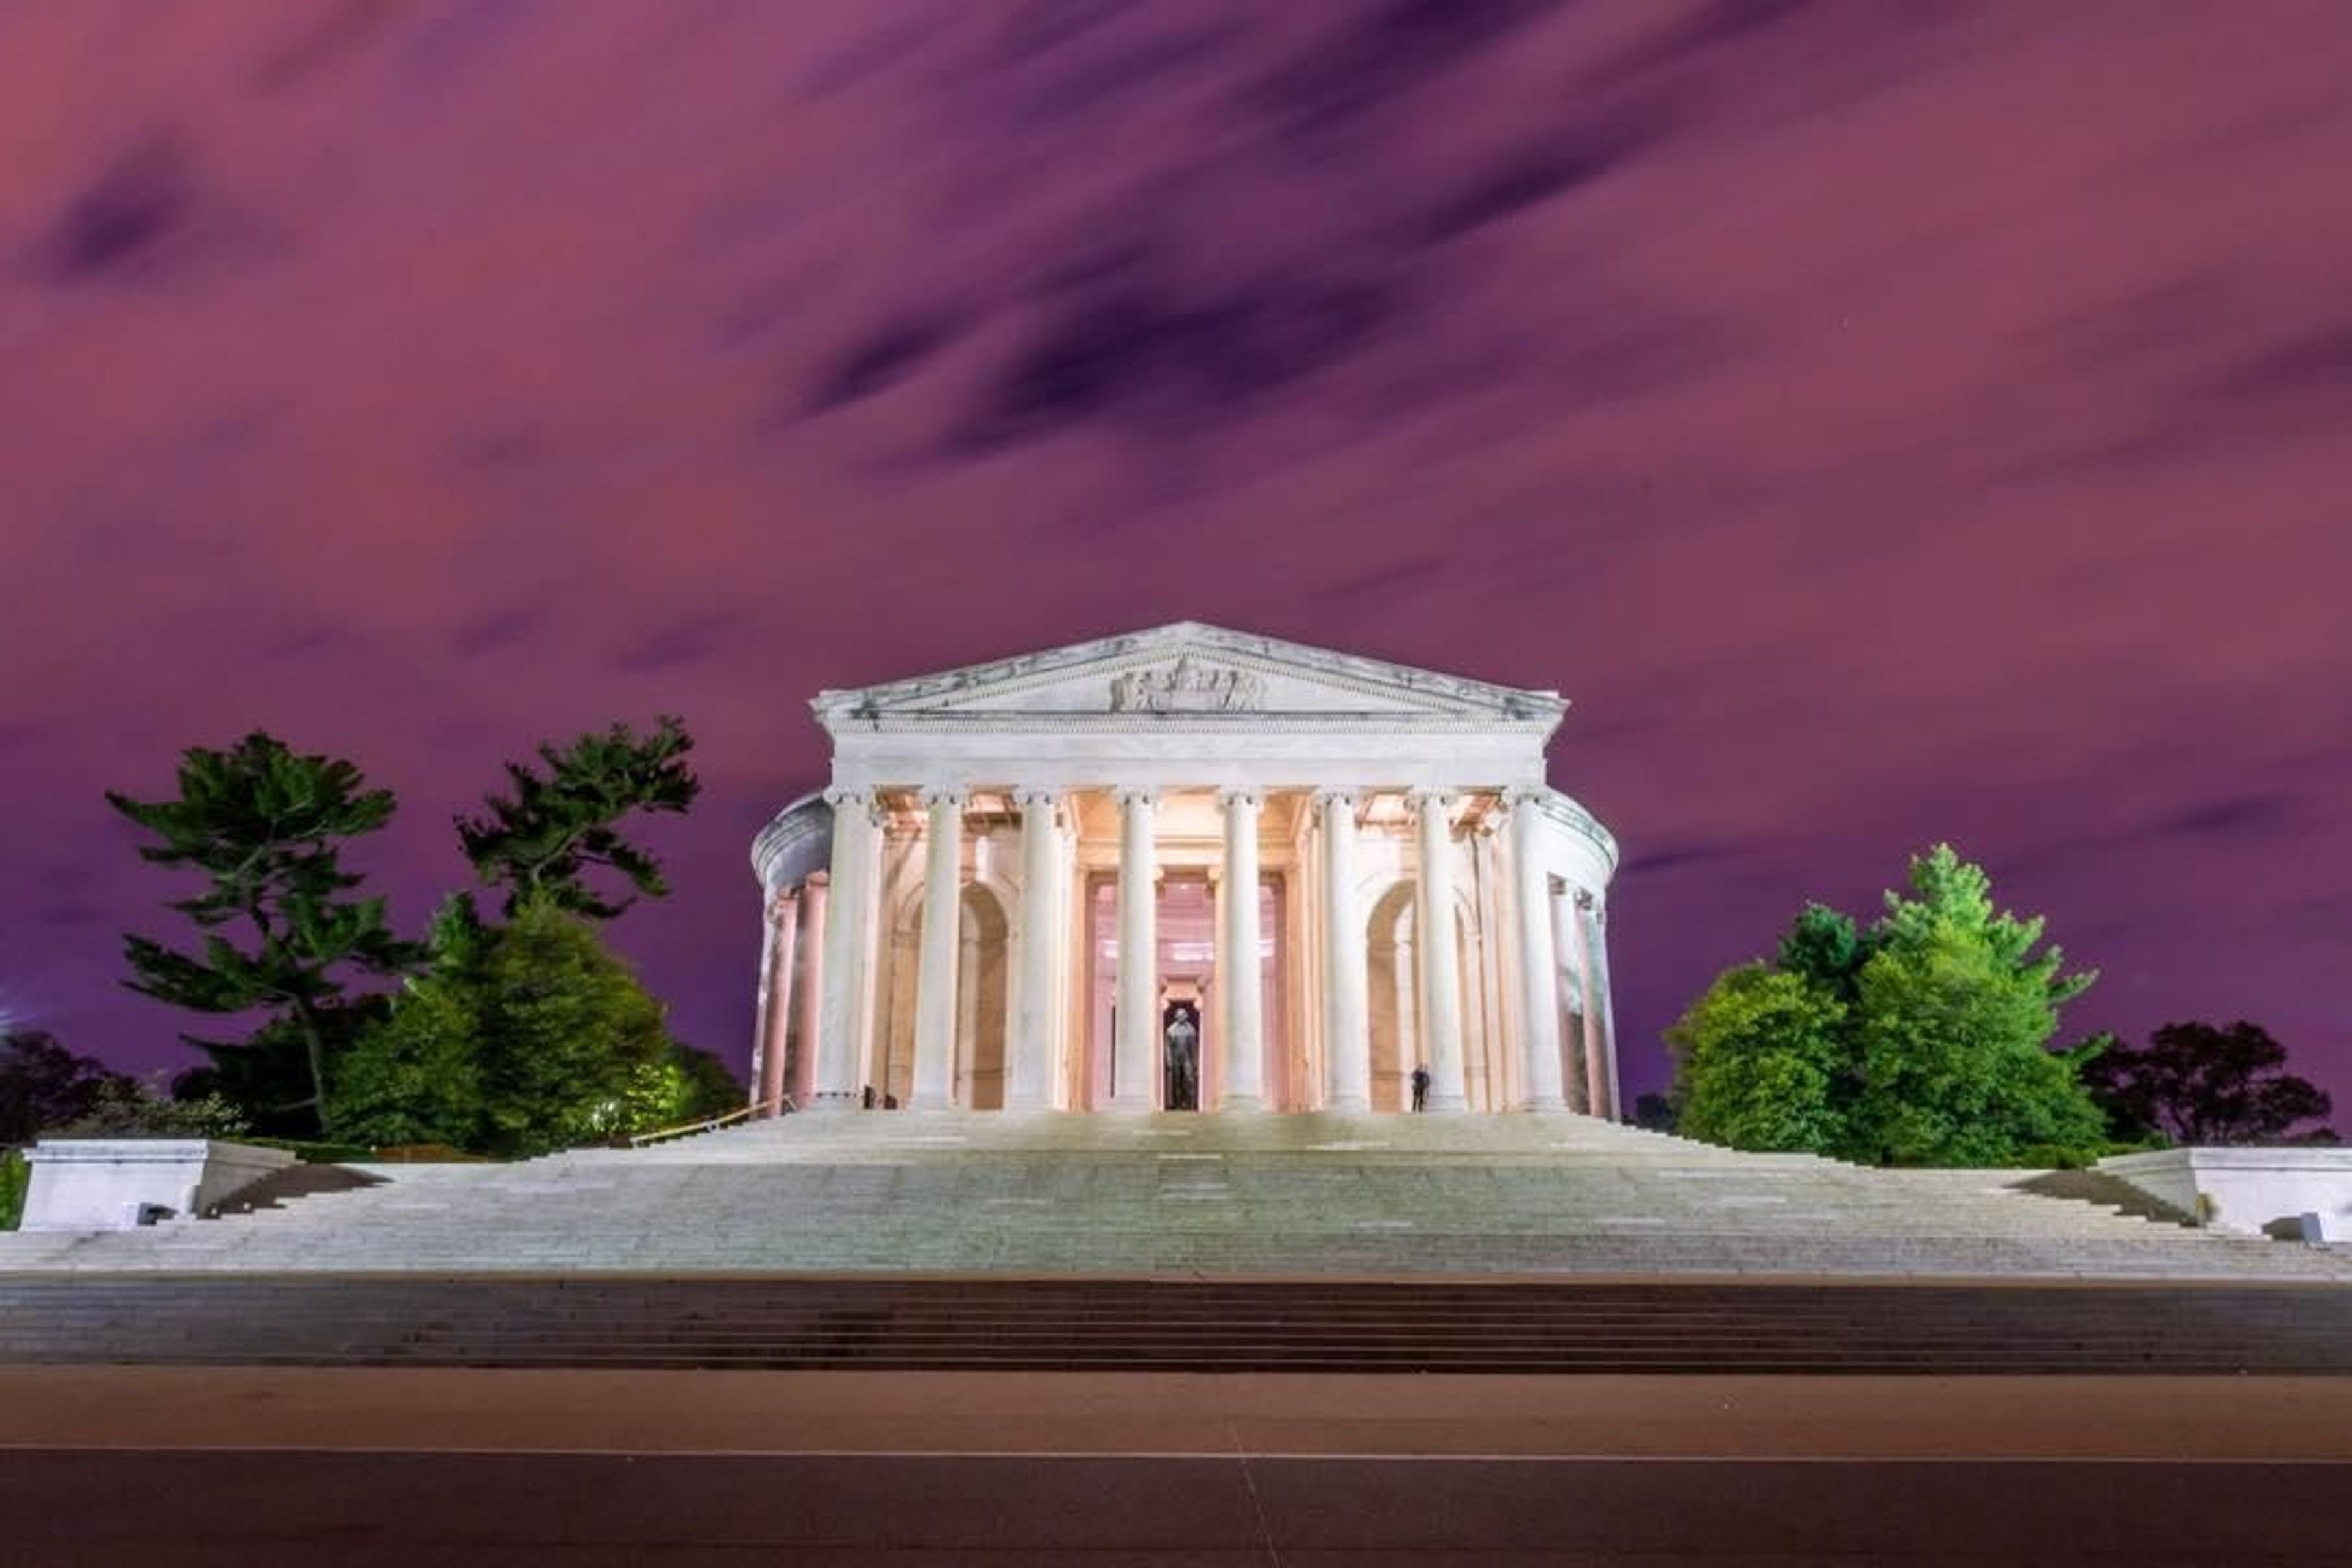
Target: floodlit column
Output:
[
  {"x": 837, "y": 1084},
  {"x": 1243, "y": 988},
  {"x": 1347, "y": 1037},
  {"x": 1599, "y": 1027},
  {"x": 1568, "y": 959},
  {"x": 1539, "y": 1087},
  {"x": 1138, "y": 955},
  {"x": 802, "y": 1073},
  {"x": 935, "y": 971},
  {"x": 1029, "y": 1068},
  {"x": 783, "y": 943},
  {"x": 1441, "y": 965}
]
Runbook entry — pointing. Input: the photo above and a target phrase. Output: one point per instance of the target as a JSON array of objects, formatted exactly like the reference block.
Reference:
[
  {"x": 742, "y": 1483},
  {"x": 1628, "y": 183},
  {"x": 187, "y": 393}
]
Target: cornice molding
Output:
[
  {"x": 805, "y": 819},
  {"x": 1561, "y": 809}
]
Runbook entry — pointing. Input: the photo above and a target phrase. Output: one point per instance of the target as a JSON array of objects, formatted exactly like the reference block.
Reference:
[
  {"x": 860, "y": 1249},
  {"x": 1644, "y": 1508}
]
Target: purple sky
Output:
[{"x": 1888, "y": 421}]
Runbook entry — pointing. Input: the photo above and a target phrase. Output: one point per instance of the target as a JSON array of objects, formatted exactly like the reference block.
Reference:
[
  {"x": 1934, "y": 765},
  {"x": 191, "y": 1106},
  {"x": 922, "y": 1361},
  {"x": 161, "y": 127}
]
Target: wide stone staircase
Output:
[
  {"x": 875, "y": 1324},
  {"x": 1187, "y": 1197}
]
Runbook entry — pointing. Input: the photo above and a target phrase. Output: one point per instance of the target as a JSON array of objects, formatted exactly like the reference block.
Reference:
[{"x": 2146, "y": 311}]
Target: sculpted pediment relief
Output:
[
  {"x": 1203, "y": 674},
  {"x": 1188, "y": 686}
]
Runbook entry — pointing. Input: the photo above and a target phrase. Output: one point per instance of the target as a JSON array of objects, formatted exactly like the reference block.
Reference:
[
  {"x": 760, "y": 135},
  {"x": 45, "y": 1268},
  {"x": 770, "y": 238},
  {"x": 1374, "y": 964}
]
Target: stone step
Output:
[
  {"x": 800, "y": 1322},
  {"x": 893, "y": 1192}
]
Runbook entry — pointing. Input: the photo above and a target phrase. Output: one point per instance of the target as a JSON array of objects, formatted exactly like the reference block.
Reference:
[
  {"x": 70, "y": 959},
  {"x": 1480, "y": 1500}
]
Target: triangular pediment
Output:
[{"x": 1193, "y": 672}]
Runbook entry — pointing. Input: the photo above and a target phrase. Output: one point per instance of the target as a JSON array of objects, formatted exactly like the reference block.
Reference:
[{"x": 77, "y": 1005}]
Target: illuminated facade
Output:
[{"x": 1019, "y": 891}]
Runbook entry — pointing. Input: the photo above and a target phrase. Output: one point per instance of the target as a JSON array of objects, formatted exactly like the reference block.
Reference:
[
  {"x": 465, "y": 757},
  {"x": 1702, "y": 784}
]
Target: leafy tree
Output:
[
  {"x": 1951, "y": 893},
  {"x": 1827, "y": 948},
  {"x": 544, "y": 838},
  {"x": 1922, "y": 1039},
  {"x": 2203, "y": 1084},
  {"x": 523, "y": 1039},
  {"x": 43, "y": 1085},
  {"x": 1761, "y": 1062},
  {"x": 1954, "y": 1069},
  {"x": 265, "y": 826}
]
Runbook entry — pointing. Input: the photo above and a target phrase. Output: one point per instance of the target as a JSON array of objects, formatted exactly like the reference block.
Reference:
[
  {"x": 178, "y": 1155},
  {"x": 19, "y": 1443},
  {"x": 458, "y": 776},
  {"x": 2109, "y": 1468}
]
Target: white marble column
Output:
[
  {"x": 801, "y": 1074},
  {"x": 1441, "y": 964},
  {"x": 1567, "y": 959},
  {"x": 1538, "y": 976},
  {"x": 1138, "y": 1002},
  {"x": 1347, "y": 1037},
  {"x": 838, "y": 1051},
  {"x": 1599, "y": 1027},
  {"x": 1029, "y": 1064},
  {"x": 935, "y": 971},
  {"x": 1239, "y": 975},
  {"x": 783, "y": 943}
]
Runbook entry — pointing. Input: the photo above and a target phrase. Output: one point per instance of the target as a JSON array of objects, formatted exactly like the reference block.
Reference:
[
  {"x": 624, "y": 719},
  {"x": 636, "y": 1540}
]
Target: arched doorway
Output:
[
  {"x": 981, "y": 1000},
  {"x": 1392, "y": 996},
  {"x": 1393, "y": 1011}
]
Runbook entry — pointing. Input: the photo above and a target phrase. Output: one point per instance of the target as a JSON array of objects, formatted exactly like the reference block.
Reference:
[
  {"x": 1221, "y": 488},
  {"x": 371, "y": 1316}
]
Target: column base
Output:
[
  {"x": 1249, "y": 1104},
  {"x": 821, "y": 1104},
  {"x": 1542, "y": 1103},
  {"x": 1450, "y": 1103},
  {"x": 1354, "y": 1105}
]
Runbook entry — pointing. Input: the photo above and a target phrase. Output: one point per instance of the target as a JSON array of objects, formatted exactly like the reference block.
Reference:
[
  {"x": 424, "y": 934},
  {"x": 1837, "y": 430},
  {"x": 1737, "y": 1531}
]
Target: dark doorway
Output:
[{"x": 1179, "y": 1053}]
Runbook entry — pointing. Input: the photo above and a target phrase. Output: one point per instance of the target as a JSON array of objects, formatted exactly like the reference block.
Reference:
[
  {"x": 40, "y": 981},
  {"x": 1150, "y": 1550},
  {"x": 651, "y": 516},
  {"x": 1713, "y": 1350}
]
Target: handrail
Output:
[{"x": 783, "y": 1105}]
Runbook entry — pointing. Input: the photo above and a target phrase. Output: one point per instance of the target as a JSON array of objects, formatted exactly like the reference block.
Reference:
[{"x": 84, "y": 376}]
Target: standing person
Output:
[{"x": 1420, "y": 1087}]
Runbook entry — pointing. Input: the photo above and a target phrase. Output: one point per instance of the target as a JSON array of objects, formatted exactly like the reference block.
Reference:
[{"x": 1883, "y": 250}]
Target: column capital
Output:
[
  {"x": 817, "y": 881},
  {"x": 867, "y": 800},
  {"x": 1026, "y": 795},
  {"x": 783, "y": 902},
  {"x": 1526, "y": 797},
  {"x": 1228, "y": 798},
  {"x": 934, "y": 798},
  {"x": 1587, "y": 903},
  {"x": 1323, "y": 799},
  {"x": 1435, "y": 806},
  {"x": 1136, "y": 794}
]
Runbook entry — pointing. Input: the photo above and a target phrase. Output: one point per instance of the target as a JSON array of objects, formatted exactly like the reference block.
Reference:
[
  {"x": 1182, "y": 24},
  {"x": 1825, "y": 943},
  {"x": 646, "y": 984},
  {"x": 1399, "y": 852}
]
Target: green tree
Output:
[
  {"x": 1954, "y": 1068},
  {"x": 1826, "y": 947},
  {"x": 2204, "y": 1084},
  {"x": 523, "y": 1039},
  {"x": 541, "y": 840},
  {"x": 265, "y": 826},
  {"x": 1922, "y": 1040},
  {"x": 1761, "y": 1063}
]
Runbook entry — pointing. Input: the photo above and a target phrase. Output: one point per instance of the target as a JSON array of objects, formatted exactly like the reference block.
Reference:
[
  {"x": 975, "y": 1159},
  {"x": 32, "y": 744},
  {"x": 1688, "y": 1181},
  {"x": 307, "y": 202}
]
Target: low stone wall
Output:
[
  {"x": 2254, "y": 1191},
  {"x": 121, "y": 1183}
]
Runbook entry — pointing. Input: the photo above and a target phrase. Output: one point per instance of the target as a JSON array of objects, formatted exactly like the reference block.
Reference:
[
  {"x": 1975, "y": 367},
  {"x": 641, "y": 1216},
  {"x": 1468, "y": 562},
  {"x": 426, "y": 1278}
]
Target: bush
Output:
[
  {"x": 16, "y": 1175},
  {"x": 127, "y": 1111}
]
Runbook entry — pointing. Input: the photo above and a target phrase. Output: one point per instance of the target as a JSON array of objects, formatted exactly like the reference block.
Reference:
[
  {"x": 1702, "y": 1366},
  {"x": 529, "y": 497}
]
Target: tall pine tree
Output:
[
  {"x": 541, "y": 841},
  {"x": 282, "y": 935}
]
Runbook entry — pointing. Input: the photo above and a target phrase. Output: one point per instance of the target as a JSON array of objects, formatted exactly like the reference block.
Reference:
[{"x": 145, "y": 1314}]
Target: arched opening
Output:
[
  {"x": 1392, "y": 996},
  {"x": 1393, "y": 1010},
  {"x": 981, "y": 999}
]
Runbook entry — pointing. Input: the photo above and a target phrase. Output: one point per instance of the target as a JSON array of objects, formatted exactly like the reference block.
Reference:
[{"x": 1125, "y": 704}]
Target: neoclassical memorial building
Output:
[{"x": 1186, "y": 869}]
